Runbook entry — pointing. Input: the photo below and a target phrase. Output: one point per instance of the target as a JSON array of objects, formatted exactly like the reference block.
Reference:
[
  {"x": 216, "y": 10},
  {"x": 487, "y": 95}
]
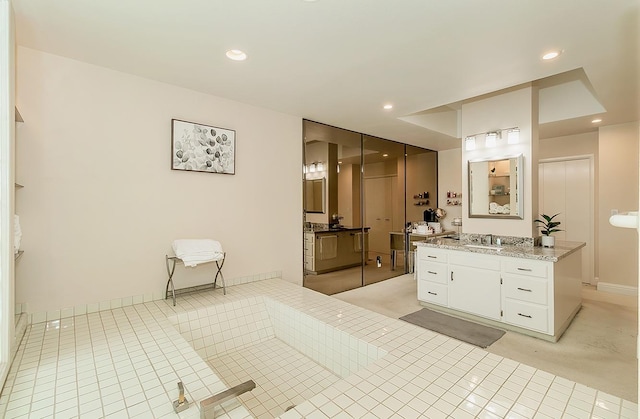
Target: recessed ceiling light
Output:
[
  {"x": 388, "y": 106},
  {"x": 385, "y": 155},
  {"x": 551, "y": 55},
  {"x": 595, "y": 121},
  {"x": 236, "y": 55},
  {"x": 339, "y": 162}
]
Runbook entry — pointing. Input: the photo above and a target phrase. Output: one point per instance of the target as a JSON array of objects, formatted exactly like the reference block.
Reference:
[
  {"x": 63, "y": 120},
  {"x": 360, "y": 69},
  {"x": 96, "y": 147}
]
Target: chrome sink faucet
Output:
[{"x": 487, "y": 239}]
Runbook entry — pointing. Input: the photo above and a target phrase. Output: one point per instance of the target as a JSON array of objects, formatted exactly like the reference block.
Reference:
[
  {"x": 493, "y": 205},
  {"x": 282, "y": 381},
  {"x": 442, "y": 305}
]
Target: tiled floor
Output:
[
  {"x": 125, "y": 363},
  {"x": 598, "y": 349},
  {"x": 283, "y": 376}
]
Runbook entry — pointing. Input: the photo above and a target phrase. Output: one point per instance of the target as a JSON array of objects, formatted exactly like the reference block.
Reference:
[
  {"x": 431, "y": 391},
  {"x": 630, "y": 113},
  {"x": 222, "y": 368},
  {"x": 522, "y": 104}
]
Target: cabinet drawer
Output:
[
  {"x": 434, "y": 272},
  {"x": 474, "y": 260},
  {"x": 525, "y": 288},
  {"x": 308, "y": 238},
  {"x": 308, "y": 251},
  {"x": 430, "y": 292},
  {"x": 525, "y": 267},
  {"x": 432, "y": 254},
  {"x": 527, "y": 315}
]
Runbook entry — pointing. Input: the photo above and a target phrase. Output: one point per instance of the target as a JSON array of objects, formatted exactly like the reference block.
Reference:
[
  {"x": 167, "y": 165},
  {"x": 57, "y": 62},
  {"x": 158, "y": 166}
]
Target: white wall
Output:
[
  {"x": 101, "y": 206},
  {"x": 515, "y": 108},
  {"x": 618, "y": 180},
  {"x": 8, "y": 345}
]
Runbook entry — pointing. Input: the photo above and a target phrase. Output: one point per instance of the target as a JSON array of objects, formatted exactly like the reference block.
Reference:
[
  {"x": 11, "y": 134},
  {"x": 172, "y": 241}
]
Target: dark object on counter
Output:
[{"x": 430, "y": 216}]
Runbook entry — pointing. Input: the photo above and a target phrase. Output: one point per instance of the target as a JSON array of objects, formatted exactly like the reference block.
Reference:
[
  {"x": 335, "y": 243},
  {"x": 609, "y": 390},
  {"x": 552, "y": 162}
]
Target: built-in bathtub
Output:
[{"x": 226, "y": 328}]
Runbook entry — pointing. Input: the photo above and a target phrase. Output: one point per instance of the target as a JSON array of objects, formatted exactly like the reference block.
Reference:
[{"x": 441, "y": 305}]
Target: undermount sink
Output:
[{"x": 483, "y": 246}]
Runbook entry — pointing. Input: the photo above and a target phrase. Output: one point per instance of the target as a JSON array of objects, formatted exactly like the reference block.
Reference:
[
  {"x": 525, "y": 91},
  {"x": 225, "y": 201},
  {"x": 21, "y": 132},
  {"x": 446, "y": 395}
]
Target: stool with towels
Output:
[{"x": 193, "y": 252}]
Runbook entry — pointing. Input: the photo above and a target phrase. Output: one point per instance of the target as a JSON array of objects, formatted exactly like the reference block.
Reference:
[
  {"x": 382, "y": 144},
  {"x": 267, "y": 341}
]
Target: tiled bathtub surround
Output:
[
  {"x": 283, "y": 376},
  {"x": 81, "y": 309},
  {"x": 125, "y": 363},
  {"x": 215, "y": 330}
]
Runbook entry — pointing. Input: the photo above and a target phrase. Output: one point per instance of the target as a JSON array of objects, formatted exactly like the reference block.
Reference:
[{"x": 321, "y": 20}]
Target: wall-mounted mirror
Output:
[
  {"x": 314, "y": 195},
  {"x": 495, "y": 188}
]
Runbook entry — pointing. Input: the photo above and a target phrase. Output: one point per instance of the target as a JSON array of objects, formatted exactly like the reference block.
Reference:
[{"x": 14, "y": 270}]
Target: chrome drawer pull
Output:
[
  {"x": 524, "y": 289},
  {"x": 525, "y": 269},
  {"x": 525, "y": 315},
  {"x": 432, "y": 273},
  {"x": 432, "y": 293}
]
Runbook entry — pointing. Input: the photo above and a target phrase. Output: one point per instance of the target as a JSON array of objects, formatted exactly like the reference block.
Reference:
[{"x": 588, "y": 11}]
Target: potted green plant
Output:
[{"x": 548, "y": 226}]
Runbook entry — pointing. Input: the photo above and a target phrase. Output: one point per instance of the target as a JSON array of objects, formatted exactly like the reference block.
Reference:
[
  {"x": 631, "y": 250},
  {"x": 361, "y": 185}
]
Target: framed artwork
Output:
[{"x": 202, "y": 148}]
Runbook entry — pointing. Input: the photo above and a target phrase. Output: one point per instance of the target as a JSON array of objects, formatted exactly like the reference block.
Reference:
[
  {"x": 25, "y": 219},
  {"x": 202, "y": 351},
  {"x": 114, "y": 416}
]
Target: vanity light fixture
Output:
[
  {"x": 513, "y": 136},
  {"x": 312, "y": 168},
  {"x": 320, "y": 167},
  {"x": 470, "y": 143},
  {"x": 236, "y": 55},
  {"x": 490, "y": 140}
]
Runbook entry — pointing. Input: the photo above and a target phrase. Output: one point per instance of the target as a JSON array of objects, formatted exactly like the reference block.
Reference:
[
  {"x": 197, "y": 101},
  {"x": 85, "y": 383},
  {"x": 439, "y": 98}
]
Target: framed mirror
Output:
[
  {"x": 314, "y": 195},
  {"x": 495, "y": 188}
]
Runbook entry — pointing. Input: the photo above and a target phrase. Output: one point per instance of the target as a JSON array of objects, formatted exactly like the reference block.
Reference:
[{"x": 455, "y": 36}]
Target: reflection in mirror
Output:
[
  {"x": 359, "y": 237},
  {"x": 314, "y": 195},
  {"x": 495, "y": 188}
]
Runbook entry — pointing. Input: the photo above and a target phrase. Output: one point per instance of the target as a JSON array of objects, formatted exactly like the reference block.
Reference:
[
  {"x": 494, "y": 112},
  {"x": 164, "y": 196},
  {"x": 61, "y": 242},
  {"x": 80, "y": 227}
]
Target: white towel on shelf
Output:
[{"x": 195, "y": 251}]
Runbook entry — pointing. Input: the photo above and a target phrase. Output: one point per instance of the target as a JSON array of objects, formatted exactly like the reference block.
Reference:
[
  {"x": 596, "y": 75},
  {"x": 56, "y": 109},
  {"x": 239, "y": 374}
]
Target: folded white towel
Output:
[{"x": 195, "y": 251}]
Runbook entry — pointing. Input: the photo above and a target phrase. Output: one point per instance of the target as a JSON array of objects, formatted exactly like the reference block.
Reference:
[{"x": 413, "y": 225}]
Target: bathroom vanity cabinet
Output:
[
  {"x": 531, "y": 290},
  {"x": 332, "y": 250}
]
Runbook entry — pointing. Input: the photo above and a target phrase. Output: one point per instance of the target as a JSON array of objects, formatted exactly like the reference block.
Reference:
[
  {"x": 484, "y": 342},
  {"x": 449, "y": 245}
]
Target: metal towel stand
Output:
[{"x": 171, "y": 269}]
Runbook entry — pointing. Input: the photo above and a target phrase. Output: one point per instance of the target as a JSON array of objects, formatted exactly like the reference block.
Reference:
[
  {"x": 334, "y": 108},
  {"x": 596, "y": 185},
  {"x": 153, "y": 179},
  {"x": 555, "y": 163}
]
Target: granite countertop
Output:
[
  {"x": 333, "y": 230},
  {"x": 561, "y": 250},
  {"x": 442, "y": 233}
]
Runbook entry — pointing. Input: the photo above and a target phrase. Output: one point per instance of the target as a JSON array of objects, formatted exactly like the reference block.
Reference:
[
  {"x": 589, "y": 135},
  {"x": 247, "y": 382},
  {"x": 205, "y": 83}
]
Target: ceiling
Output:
[{"x": 339, "y": 61}]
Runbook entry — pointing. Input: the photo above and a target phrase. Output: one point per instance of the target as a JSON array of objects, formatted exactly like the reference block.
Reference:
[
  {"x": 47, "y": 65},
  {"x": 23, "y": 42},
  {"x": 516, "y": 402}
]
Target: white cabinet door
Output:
[
  {"x": 475, "y": 291},
  {"x": 432, "y": 292}
]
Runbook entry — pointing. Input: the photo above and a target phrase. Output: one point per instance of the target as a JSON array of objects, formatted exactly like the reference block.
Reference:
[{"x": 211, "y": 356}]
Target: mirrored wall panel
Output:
[{"x": 358, "y": 235}]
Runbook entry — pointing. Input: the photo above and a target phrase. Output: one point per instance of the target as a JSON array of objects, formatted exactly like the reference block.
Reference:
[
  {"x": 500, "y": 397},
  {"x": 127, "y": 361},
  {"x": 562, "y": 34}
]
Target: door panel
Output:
[
  {"x": 475, "y": 291},
  {"x": 566, "y": 187},
  {"x": 378, "y": 213}
]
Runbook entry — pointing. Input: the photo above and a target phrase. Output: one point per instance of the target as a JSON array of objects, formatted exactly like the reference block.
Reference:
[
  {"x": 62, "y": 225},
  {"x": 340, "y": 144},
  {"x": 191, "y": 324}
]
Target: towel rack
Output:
[{"x": 171, "y": 267}]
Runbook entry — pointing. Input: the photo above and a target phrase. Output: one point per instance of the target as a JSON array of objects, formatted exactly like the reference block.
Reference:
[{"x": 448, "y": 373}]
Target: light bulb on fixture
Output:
[
  {"x": 470, "y": 143},
  {"x": 320, "y": 167},
  {"x": 513, "y": 136},
  {"x": 490, "y": 139},
  {"x": 312, "y": 168}
]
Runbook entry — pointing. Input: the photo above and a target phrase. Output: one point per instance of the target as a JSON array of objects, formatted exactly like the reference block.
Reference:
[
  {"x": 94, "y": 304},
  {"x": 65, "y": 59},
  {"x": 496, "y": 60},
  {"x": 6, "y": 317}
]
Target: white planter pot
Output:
[{"x": 548, "y": 241}]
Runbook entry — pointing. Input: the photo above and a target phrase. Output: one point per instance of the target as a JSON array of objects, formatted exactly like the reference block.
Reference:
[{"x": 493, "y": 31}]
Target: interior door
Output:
[
  {"x": 378, "y": 214},
  {"x": 566, "y": 187}
]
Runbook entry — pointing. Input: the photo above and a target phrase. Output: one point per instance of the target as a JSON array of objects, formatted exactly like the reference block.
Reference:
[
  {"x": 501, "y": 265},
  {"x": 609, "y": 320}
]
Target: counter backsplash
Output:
[{"x": 505, "y": 240}]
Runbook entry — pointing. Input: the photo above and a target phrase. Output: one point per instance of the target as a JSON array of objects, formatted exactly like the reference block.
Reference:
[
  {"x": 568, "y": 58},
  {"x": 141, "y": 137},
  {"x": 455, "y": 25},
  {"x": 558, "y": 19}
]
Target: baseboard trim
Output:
[
  {"x": 617, "y": 288},
  {"x": 44, "y": 316}
]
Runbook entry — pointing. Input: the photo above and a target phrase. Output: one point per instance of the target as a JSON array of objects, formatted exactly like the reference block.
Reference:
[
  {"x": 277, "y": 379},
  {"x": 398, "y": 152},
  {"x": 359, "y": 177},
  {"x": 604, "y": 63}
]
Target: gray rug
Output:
[{"x": 466, "y": 331}]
